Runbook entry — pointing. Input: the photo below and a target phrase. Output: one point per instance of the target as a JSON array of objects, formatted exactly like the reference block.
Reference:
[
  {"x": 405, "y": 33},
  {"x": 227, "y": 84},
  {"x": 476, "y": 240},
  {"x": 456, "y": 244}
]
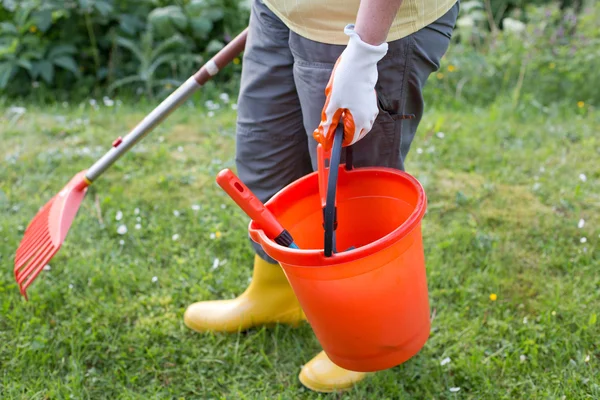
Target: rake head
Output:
[{"x": 47, "y": 231}]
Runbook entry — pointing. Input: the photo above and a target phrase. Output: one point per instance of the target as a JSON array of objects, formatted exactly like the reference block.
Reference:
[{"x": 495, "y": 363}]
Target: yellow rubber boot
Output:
[
  {"x": 322, "y": 375},
  {"x": 268, "y": 299}
]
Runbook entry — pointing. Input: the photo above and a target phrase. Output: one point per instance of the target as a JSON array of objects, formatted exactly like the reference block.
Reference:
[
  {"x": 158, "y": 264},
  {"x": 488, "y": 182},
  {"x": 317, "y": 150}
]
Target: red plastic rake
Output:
[{"x": 47, "y": 231}]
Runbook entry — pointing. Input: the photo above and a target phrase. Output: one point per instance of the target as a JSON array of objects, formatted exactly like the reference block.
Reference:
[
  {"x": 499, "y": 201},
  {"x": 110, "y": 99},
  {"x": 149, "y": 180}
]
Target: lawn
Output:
[{"x": 511, "y": 238}]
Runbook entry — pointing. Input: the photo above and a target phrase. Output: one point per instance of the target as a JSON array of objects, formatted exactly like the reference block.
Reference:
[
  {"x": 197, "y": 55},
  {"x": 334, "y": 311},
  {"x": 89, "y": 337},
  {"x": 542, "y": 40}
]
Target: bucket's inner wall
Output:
[{"x": 370, "y": 206}]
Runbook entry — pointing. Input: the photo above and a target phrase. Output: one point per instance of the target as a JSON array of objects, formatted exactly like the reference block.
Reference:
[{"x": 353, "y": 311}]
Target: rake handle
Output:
[{"x": 167, "y": 106}]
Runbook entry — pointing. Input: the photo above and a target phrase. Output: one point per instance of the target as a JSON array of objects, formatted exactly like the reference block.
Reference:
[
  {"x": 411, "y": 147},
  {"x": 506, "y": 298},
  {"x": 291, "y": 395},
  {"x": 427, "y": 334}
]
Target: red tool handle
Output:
[{"x": 248, "y": 202}]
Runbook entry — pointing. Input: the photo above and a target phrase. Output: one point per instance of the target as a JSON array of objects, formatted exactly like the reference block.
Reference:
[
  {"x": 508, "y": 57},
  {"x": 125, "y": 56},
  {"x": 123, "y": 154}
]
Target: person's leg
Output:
[
  {"x": 271, "y": 152},
  {"x": 402, "y": 76}
]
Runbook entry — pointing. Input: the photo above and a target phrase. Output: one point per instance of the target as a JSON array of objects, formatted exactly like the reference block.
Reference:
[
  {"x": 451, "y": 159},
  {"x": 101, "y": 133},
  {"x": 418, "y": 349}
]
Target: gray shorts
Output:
[{"x": 282, "y": 95}]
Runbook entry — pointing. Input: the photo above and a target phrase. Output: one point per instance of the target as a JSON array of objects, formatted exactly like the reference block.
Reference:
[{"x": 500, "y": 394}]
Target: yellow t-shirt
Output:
[{"x": 324, "y": 20}]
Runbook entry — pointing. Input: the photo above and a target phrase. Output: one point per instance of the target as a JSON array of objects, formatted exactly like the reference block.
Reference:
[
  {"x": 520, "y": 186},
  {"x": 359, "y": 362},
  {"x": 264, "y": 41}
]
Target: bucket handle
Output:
[{"x": 330, "y": 209}]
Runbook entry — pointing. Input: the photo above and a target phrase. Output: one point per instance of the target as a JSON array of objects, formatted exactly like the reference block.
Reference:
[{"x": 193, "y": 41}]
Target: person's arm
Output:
[
  {"x": 350, "y": 93},
  {"x": 375, "y": 18}
]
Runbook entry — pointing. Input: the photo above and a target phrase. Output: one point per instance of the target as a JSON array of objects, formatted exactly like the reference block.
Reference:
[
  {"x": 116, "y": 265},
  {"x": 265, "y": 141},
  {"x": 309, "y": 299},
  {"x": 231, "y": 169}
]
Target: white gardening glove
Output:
[{"x": 351, "y": 92}]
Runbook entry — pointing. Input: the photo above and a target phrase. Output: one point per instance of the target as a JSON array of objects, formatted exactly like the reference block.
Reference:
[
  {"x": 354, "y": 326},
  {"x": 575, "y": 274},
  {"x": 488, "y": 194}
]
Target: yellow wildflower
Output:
[
  {"x": 217, "y": 234},
  {"x": 580, "y": 104},
  {"x": 236, "y": 60},
  {"x": 552, "y": 65},
  {"x": 493, "y": 297},
  {"x": 33, "y": 29},
  {"x": 451, "y": 68},
  {"x": 439, "y": 75}
]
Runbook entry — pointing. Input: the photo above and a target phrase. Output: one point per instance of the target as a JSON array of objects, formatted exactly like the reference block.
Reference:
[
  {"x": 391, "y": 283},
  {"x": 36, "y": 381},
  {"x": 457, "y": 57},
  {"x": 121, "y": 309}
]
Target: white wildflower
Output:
[
  {"x": 175, "y": 236},
  {"x": 581, "y": 223},
  {"x": 224, "y": 97},
  {"x": 522, "y": 358},
  {"x": 154, "y": 279},
  {"x": 582, "y": 177},
  {"x": 211, "y": 114},
  {"x": 180, "y": 149},
  {"x": 440, "y": 135},
  {"x": 223, "y": 206},
  {"x": 176, "y": 213},
  {"x": 524, "y": 320},
  {"x": 17, "y": 110},
  {"x": 108, "y": 102},
  {"x": 513, "y": 25},
  {"x": 454, "y": 389},
  {"x": 139, "y": 219},
  {"x": 542, "y": 169},
  {"x": 419, "y": 150},
  {"x": 93, "y": 102},
  {"x": 136, "y": 211},
  {"x": 70, "y": 286},
  {"x": 138, "y": 226},
  {"x": 121, "y": 242},
  {"x": 195, "y": 207},
  {"x": 122, "y": 229},
  {"x": 537, "y": 186},
  {"x": 161, "y": 139},
  {"x": 47, "y": 268},
  {"x": 234, "y": 106},
  {"x": 215, "y": 264},
  {"x": 583, "y": 239},
  {"x": 212, "y": 236},
  {"x": 445, "y": 361},
  {"x": 119, "y": 215},
  {"x": 587, "y": 358}
]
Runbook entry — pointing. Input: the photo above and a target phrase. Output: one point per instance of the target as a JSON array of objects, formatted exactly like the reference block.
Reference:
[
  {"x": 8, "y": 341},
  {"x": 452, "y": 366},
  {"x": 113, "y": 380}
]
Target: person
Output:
[{"x": 307, "y": 66}]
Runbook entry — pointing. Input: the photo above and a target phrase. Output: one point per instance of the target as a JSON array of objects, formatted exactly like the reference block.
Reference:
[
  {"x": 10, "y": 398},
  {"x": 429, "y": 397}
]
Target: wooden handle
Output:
[{"x": 222, "y": 58}]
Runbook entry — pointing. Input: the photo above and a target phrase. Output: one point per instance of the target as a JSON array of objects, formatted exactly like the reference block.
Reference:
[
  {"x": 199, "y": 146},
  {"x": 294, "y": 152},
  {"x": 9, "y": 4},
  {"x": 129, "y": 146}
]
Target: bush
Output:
[
  {"x": 551, "y": 58},
  {"x": 79, "y": 45}
]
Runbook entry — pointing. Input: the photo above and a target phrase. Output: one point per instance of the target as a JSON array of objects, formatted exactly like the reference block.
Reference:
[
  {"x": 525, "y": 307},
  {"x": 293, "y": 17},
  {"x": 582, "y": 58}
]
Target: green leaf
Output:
[
  {"x": 165, "y": 45},
  {"x": 196, "y": 7},
  {"x": 25, "y": 64},
  {"x": 214, "y": 46},
  {"x": 45, "y": 69},
  {"x": 8, "y": 27},
  {"x": 201, "y": 26},
  {"x": 593, "y": 319},
  {"x": 42, "y": 20},
  {"x": 7, "y": 71},
  {"x": 68, "y": 63},
  {"x": 131, "y": 46},
  {"x": 165, "y": 58},
  {"x": 167, "y": 20},
  {"x": 214, "y": 14},
  {"x": 61, "y": 49},
  {"x": 130, "y": 24},
  {"x": 124, "y": 81},
  {"x": 103, "y": 7}
]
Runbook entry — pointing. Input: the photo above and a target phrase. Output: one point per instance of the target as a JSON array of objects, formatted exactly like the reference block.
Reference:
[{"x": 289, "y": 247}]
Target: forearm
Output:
[{"x": 375, "y": 18}]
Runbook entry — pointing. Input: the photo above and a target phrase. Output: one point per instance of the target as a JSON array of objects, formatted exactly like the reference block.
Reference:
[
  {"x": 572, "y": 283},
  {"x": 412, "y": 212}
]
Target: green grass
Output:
[{"x": 505, "y": 199}]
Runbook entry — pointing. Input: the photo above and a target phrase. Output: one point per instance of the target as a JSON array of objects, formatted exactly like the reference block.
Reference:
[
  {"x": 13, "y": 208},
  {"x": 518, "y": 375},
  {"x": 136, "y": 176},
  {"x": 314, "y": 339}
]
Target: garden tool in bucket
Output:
[
  {"x": 368, "y": 306},
  {"x": 47, "y": 231}
]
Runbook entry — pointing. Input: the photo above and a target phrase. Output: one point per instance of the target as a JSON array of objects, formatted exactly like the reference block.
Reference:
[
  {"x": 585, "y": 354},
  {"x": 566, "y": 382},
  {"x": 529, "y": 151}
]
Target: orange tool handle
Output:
[{"x": 248, "y": 202}]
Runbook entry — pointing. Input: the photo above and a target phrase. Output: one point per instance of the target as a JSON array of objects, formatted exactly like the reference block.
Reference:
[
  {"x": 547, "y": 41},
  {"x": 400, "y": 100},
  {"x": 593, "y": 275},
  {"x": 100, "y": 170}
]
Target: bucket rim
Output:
[{"x": 310, "y": 258}]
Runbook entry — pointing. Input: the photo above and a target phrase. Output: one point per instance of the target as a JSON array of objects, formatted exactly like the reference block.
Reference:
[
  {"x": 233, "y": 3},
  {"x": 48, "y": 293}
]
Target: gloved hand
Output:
[{"x": 351, "y": 92}]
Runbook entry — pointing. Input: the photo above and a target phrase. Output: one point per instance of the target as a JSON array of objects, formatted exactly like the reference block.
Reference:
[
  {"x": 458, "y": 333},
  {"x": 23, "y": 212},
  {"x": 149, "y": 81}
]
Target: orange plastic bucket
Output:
[{"x": 368, "y": 306}]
